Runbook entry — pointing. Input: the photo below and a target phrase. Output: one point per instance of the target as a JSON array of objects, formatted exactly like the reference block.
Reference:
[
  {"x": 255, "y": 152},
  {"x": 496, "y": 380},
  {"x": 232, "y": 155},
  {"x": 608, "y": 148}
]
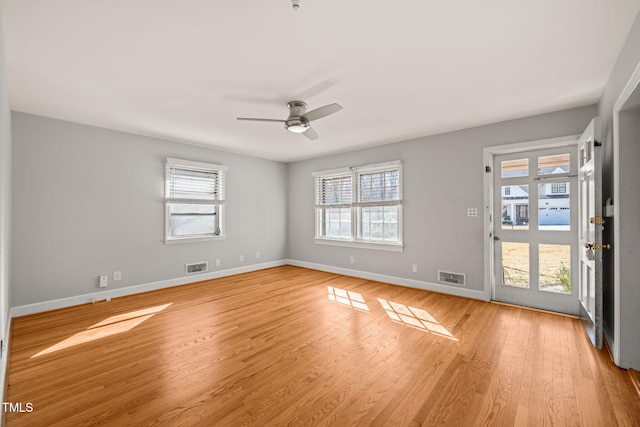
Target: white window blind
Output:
[
  {"x": 195, "y": 197},
  {"x": 195, "y": 186},
  {"x": 379, "y": 187},
  {"x": 335, "y": 191}
]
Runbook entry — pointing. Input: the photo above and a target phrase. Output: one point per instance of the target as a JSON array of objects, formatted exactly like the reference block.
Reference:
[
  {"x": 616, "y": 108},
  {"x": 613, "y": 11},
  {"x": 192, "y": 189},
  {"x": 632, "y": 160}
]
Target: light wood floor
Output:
[{"x": 294, "y": 346}]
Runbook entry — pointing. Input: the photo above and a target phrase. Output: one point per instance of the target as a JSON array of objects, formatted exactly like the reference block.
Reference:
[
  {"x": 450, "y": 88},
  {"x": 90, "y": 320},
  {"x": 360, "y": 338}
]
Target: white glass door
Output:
[
  {"x": 590, "y": 233},
  {"x": 535, "y": 229}
]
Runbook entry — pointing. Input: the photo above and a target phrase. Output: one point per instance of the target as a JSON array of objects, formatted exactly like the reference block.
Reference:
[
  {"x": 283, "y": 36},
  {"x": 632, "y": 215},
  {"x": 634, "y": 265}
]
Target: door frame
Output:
[
  {"x": 489, "y": 153},
  {"x": 632, "y": 85}
]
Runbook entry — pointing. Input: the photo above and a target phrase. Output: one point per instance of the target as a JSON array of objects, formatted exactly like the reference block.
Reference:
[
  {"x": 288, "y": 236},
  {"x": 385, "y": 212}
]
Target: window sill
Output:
[
  {"x": 192, "y": 239},
  {"x": 378, "y": 246}
]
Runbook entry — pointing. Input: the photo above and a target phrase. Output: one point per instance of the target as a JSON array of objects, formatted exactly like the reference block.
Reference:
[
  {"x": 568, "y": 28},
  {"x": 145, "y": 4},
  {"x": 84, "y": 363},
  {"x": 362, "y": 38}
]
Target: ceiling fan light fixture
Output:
[{"x": 297, "y": 125}]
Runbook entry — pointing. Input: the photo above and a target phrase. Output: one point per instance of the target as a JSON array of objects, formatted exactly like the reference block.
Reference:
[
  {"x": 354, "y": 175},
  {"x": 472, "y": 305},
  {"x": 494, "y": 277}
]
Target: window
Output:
[
  {"x": 360, "y": 206},
  {"x": 558, "y": 188},
  {"x": 194, "y": 199}
]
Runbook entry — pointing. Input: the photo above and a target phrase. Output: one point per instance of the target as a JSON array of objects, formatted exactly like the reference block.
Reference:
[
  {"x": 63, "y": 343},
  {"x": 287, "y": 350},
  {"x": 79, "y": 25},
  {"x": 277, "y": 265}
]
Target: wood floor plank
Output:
[{"x": 292, "y": 346}]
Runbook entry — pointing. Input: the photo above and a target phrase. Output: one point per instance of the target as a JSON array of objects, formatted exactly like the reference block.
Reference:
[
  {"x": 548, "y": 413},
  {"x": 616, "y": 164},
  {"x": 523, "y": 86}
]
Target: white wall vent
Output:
[
  {"x": 458, "y": 279},
  {"x": 197, "y": 267}
]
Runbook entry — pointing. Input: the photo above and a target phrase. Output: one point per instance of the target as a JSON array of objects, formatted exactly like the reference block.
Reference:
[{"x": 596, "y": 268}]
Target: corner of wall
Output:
[{"x": 5, "y": 210}]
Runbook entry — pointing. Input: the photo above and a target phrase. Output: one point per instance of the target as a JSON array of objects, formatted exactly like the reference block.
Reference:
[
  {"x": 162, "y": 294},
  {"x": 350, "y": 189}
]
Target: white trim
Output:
[
  {"x": 332, "y": 172},
  {"x": 378, "y": 246},
  {"x": 377, "y": 166},
  {"x": 351, "y": 169},
  {"x": 517, "y": 147},
  {"x": 197, "y": 165},
  {"x": 411, "y": 283},
  {"x": 488, "y": 155},
  {"x": 39, "y": 307},
  {"x": 192, "y": 239},
  {"x": 626, "y": 93}
]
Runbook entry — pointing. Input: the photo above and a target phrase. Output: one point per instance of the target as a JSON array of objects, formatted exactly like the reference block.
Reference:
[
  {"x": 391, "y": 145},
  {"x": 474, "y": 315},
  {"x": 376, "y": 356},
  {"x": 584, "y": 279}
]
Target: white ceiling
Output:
[{"x": 184, "y": 70}]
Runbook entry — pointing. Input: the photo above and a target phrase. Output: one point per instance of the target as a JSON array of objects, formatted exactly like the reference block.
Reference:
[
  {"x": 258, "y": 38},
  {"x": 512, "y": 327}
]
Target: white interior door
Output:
[
  {"x": 590, "y": 232},
  {"x": 535, "y": 229}
]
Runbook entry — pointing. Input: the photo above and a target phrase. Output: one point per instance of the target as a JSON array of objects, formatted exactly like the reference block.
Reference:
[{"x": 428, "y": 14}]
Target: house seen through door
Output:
[{"x": 535, "y": 229}]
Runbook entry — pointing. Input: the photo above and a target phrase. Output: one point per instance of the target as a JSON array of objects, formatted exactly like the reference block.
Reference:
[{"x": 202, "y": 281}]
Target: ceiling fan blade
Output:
[
  {"x": 261, "y": 120},
  {"x": 311, "y": 134},
  {"x": 321, "y": 112},
  {"x": 316, "y": 89}
]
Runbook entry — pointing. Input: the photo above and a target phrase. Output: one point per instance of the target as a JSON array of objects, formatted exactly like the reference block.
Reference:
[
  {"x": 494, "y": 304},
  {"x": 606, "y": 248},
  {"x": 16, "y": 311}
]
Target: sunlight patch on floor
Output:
[
  {"x": 106, "y": 328},
  {"x": 348, "y": 298},
  {"x": 414, "y": 317}
]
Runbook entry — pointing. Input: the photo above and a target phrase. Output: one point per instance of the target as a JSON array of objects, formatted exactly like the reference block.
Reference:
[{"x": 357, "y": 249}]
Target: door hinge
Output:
[{"x": 487, "y": 169}]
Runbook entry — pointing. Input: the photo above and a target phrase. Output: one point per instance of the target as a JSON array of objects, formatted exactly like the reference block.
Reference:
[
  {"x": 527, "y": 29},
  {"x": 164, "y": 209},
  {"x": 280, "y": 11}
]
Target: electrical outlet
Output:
[
  {"x": 241, "y": 257},
  {"x": 414, "y": 268},
  {"x": 472, "y": 212},
  {"x": 352, "y": 259},
  {"x": 117, "y": 275},
  {"x": 104, "y": 280},
  {"x": 217, "y": 262}
]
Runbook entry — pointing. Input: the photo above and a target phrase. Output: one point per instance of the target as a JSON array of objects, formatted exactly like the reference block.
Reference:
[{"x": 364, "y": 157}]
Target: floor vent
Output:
[
  {"x": 198, "y": 267},
  {"x": 458, "y": 279}
]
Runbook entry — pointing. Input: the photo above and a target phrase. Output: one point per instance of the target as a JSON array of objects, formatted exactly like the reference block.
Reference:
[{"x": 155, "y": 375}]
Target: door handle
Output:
[
  {"x": 597, "y": 246},
  {"x": 496, "y": 238}
]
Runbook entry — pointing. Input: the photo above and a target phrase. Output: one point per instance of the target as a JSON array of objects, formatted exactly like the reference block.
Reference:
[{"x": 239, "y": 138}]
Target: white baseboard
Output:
[
  {"x": 418, "y": 284},
  {"x": 40, "y": 307}
]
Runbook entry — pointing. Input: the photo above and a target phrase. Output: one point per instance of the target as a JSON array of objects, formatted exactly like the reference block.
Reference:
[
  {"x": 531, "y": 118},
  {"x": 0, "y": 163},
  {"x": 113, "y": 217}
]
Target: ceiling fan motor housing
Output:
[
  {"x": 296, "y": 123},
  {"x": 296, "y": 108}
]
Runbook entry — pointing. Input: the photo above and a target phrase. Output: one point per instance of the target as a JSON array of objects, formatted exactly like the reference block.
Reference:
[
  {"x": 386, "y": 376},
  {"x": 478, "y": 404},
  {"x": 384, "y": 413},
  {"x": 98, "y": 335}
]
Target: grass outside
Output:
[{"x": 554, "y": 265}]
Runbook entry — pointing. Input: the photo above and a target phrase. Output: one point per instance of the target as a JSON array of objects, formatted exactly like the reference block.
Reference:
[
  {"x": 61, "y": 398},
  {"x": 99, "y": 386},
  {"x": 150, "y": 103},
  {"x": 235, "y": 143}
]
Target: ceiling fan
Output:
[{"x": 299, "y": 121}]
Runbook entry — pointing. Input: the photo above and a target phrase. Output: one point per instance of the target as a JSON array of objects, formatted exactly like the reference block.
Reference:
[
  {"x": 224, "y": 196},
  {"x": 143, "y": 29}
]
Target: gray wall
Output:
[
  {"x": 630, "y": 236},
  {"x": 89, "y": 201},
  {"x": 443, "y": 176},
  {"x": 629, "y": 227},
  {"x": 5, "y": 191}
]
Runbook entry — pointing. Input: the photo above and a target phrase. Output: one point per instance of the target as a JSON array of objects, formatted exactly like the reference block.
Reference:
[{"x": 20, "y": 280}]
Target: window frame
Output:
[
  {"x": 219, "y": 201},
  {"x": 356, "y": 205}
]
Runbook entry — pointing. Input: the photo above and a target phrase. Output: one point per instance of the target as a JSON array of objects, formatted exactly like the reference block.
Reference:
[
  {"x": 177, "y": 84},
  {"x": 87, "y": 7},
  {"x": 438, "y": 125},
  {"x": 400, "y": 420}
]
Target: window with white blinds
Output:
[
  {"x": 194, "y": 199},
  {"x": 360, "y": 204}
]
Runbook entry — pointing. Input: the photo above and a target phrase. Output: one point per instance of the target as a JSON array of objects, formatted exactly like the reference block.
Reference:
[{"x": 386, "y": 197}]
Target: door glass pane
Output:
[
  {"x": 554, "y": 202},
  {"x": 555, "y": 268},
  {"x": 515, "y": 264},
  {"x": 514, "y": 168},
  {"x": 515, "y": 207},
  {"x": 558, "y": 163}
]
